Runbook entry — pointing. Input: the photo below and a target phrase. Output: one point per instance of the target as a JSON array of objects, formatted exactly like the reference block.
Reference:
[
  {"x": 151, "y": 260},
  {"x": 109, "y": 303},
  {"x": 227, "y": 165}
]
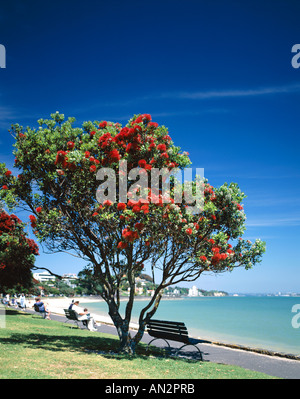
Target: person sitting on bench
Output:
[{"x": 84, "y": 315}]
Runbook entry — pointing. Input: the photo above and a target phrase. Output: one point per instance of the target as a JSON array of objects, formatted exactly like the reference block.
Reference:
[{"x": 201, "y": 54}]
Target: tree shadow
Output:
[
  {"x": 104, "y": 346},
  {"x": 16, "y": 312},
  {"x": 56, "y": 343},
  {"x": 98, "y": 343}
]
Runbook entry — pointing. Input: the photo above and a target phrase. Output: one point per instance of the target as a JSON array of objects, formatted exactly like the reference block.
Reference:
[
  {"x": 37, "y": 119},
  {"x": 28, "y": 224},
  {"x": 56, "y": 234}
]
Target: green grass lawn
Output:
[{"x": 36, "y": 348}]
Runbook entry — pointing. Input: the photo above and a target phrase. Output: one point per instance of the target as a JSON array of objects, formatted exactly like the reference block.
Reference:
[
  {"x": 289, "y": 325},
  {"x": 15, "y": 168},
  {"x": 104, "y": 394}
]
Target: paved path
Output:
[{"x": 271, "y": 365}]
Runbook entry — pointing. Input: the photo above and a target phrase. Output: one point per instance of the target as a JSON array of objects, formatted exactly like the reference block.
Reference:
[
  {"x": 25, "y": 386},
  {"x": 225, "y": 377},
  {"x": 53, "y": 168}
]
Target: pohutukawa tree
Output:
[
  {"x": 57, "y": 183},
  {"x": 17, "y": 253}
]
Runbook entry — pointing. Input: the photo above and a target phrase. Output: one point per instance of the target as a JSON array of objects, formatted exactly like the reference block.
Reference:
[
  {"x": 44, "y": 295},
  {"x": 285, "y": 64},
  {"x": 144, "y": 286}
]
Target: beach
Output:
[{"x": 57, "y": 306}]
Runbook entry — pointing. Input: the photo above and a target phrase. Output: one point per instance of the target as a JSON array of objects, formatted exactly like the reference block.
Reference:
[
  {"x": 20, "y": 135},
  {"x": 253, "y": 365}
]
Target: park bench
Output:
[
  {"x": 43, "y": 313},
  {"x": 71, "y": 315},
  {"x": 172, "y": 331}
]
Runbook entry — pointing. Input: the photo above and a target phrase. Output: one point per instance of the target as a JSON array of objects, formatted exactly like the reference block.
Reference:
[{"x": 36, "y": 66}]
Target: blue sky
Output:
[{"x": 217, "y": 74}]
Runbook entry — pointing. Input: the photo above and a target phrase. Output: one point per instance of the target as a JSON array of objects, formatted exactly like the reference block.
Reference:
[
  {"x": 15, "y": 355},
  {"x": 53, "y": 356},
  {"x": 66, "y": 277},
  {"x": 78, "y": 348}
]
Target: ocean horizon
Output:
[{"x": 263, "y": 322}]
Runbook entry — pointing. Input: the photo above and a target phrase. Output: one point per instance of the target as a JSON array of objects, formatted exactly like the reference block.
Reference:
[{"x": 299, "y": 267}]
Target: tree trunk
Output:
[
  {"x": 122, "y": 327},
  {"x": 128, "y": 343}
]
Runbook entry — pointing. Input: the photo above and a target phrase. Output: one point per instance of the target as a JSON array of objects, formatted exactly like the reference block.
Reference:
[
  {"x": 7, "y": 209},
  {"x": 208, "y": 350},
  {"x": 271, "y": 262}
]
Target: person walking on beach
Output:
[
  {"x": 7, "y": 299},
  {"x": 83, "y": 315},
  {"x": 22, "y": 302}
]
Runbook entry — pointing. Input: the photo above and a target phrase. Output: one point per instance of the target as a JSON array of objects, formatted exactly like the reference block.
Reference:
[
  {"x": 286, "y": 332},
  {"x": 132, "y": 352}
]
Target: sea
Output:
[{"x": 265, "y": 322}]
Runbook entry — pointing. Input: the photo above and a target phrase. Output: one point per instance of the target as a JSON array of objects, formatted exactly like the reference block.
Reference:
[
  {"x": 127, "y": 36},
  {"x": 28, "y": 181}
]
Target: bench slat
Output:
[
  {"x": 164, "y": 323},
  {"x": 182, "y": 331},
  {"x": 170, "y": 336}
]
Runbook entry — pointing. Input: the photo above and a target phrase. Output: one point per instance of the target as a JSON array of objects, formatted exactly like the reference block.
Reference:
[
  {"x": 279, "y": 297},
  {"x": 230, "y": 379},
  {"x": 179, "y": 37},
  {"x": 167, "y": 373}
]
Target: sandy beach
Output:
[{"x": 57, "y": 306}]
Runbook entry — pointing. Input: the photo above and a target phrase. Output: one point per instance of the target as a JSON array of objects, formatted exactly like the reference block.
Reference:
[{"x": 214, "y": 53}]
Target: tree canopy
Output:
[
  {"x": 17, "y": 253},
  {"x": 59, "y": 185}
]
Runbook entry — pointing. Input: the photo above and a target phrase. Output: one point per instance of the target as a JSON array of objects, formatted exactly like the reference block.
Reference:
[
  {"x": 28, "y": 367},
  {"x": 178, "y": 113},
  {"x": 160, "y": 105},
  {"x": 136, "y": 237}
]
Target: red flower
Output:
[
  {"x": 39, "y": 209},
  {"x": 189, "y": 231},
  {"x": 32, "y": 220},
  {"x": 4, "y": 187},
  {"x": 93, "y": 168},
  {"x": 61, "y": 158},
  {"x": 114, "y": 155},
  {"x": 136, "y": 209},
  {"x": 103, "y": 124},
  {"x": 203, "y": 258},
  {"x": 153, "y": 124},
  {"x": 107, "y": 203},
  {"x": 121, "y": 206},
  {"x": 164, "y": 155},
  {"x": 143, "y": 118},
  {"x": 161, "y": 147},
  {"x": 87, "y": 154},
  {"x": 70, "y": 145},
  {"x": 139, "y": 226},
  {"x": 92, "y": 134},
  {"x": 130, "y": 235},
  {"x": 145, "y": 209},
  {"x": 216, "y": 259},
  {"x": 142, "y": 163},
  {"x": 8, "y": 173},
  {"x": 122, "y": 245}
]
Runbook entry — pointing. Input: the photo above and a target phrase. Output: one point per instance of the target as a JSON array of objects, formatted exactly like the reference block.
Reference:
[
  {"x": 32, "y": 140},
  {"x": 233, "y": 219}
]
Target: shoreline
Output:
[{"x": 57, "y": 306}]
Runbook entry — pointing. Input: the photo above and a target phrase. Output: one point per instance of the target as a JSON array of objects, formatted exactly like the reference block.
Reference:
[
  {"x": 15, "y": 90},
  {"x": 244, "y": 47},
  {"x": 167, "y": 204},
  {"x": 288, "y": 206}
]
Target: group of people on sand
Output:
[{"x": 15, "y": 301}]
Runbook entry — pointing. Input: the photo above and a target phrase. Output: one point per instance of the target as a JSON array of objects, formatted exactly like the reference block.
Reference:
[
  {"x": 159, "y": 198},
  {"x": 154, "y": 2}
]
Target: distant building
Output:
[
  {"x": 69, "y": 278},
  {"x": 44, "y": 277},
  {"x": 219, "y": 294},
  {"x": 193, "y": 291}
]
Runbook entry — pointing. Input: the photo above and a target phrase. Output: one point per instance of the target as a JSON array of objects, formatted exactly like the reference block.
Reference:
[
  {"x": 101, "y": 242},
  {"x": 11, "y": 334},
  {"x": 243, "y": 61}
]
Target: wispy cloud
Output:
[
  {"x": 274, "y": 221},
  {"x": 271, "y": 200},
  {"x": 211, "y": 94},
  {"x": 188, "y": 95}
]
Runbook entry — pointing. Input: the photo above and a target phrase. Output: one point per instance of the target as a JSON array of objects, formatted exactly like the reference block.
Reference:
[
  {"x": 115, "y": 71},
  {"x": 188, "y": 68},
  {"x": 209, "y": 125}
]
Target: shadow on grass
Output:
[
  {"x": 82, "y": 341},
  {"x": 16, "y": 312}
]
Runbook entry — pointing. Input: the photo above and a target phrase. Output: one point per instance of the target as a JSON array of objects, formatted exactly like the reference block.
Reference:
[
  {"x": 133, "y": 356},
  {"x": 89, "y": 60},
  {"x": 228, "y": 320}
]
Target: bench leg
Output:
[
  {"x": 169, "y": 347},
  {"x": 200, "y": 353}
]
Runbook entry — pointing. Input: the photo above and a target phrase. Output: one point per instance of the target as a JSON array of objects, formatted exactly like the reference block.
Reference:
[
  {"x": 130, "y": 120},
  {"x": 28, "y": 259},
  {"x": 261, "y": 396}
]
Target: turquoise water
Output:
[{"x": 258, "y": 322}]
